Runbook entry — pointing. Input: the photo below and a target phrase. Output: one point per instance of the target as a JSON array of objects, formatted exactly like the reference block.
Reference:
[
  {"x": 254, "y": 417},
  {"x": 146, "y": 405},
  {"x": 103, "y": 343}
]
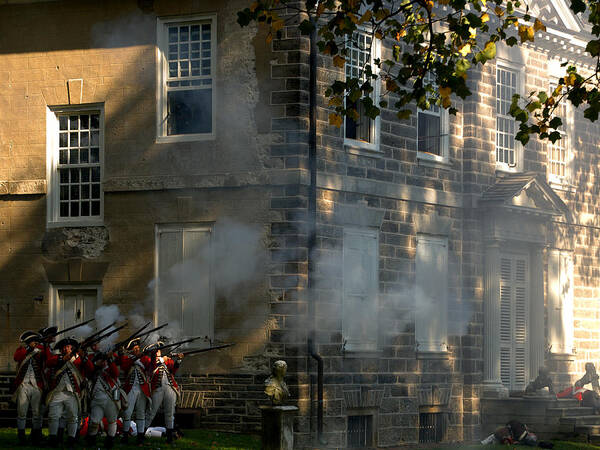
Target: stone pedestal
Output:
[{"x": 278, "y": 427}]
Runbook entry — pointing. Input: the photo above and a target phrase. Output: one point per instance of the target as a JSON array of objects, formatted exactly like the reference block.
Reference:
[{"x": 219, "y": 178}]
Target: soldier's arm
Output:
[{"x": 20, "y": 354}]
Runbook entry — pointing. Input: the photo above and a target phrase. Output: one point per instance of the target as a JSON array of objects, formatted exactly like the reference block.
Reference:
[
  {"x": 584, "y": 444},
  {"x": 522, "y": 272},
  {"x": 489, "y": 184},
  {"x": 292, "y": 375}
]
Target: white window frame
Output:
[
  {"x": 422, "y": 326},
  {"x": 567, "y": 129},
  {"x": 162, "y": 75},
  {"x": 54, "y": 299},
  {"x": 173, "y": 227},
  {"x": 444, "y": 135},
  {"x": 504, "y": 64},
  {"x": 356, "y": 145},
  {"x": 370, "y": 233},
  {"x": 53, "y": 218}
]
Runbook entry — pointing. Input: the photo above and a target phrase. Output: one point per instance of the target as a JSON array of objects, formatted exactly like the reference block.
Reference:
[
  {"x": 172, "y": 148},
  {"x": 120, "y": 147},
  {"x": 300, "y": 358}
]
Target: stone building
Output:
[{"x": 155, "y": 156}]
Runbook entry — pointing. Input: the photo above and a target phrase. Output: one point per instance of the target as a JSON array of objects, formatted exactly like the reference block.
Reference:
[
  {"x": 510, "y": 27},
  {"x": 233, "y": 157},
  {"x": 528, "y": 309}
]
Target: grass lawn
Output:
[
  {"x": 558, "y": 445},
  {"x": 194, "y": 439}
]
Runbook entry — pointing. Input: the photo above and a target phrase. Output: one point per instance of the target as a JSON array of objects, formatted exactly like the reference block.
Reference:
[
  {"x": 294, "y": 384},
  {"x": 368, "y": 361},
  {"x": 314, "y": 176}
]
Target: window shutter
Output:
[
  {"x": 360, "y": 308},
  {"x": 169, "y": 297},
  {"x": 431, "y": 310},
  {"x": 505, "y": 320},
  {"x": 520, "y": 321},
  {"x": 560, "y": 301}
]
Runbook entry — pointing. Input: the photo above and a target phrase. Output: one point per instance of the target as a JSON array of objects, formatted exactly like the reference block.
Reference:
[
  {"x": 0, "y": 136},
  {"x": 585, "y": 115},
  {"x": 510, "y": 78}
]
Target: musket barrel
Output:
[
  {"x": 71, "y": 328},
  {"x": 202, "y": 350}
]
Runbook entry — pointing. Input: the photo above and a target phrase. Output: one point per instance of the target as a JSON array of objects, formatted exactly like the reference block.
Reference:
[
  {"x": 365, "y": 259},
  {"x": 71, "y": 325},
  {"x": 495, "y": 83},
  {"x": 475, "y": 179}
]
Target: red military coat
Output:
[
  {"x": 37, "y": 359},
  {"x": 167, "y": 365},
  {"x": 75, "y": 368},
  {"x": 130, "y": 365}
]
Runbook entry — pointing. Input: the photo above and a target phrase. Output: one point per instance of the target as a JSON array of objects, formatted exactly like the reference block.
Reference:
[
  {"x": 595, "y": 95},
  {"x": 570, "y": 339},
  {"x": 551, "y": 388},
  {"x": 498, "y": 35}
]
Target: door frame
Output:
[{"x": 53, "y": 296}]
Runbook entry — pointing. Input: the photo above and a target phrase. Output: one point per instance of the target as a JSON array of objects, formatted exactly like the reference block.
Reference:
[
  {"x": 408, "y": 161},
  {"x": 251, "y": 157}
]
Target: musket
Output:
[
  {"x": 69, "y": 329},
  {"x": 134, "y": 335},
  {"x": 91, "y": 338},
  {"x": 177, "y": 344},
  {"x": 104, "y": 336},
  {"x": 145, "y": 333},
  {"x": 202, "y": 350}
]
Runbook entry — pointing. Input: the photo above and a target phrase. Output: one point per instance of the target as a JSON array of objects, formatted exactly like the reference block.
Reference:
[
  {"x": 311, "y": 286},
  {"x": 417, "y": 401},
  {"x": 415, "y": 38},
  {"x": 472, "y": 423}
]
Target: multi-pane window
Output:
[
  {"x": 432, "y": 127},
  {"x": 187, "y": 70},
  {"x": 360, "y": 53},
  {"x": 558, "y": 153},
  {"x": 79, "y": 170},
  {"x": 506, "y": 87}
]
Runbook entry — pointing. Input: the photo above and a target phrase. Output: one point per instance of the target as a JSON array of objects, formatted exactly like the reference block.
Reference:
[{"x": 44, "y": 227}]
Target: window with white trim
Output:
[
  {"x": 184, "y": 292},
  {"x": 362, "y": 50},
  {"x": 431, "y": 294},
  {"x": 186, "y": 73},
  {"x": 360, "y": 304},
  {"x": 559, "y": 152},
  {"x": 507, "y": 84},
  {"x": 560, "y": 301},
  {"x": 432, "y": 130},
  {"x": 75, "y": 150}
]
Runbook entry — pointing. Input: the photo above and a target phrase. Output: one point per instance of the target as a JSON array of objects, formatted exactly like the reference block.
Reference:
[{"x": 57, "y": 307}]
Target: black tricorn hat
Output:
[
  {"x": 153, "y": 347},
  {"x": 66, "y": 341},
  {"x": 132, "y": 343},
  {"x": 30, "y": 336},
  {"x": 46, "y": 331}
]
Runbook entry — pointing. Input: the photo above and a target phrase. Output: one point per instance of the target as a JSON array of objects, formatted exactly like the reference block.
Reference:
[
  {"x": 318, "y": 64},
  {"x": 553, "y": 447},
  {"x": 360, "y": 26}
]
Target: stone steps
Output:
[
  {"x": 576, "y": 421},
  {"x": 570, "y": 412}
]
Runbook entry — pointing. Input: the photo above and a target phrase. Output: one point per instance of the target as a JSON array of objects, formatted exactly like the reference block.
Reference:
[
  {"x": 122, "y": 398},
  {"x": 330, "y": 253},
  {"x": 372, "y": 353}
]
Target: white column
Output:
[
  {"x": 536, "y": 313},
  {"x": 492, "y": 384}
]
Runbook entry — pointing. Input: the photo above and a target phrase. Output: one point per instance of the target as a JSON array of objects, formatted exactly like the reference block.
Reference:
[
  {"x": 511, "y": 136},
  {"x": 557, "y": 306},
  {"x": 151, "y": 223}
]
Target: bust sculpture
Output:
[
  {"x": 543, "y": 380},
  {"x": 275, "y": 386}
]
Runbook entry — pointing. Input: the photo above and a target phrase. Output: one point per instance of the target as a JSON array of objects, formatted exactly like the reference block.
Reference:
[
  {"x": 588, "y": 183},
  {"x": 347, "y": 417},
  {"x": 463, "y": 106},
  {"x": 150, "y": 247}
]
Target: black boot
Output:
[
  {"x": 169, "y": 435},
  {"x": 21, "y": 436},
  {"x": 125, "y": 438},
  {"x": 109, "y": 441},
  {"x": 36, "y": 437},
  {"x": 60, "y": 435},
  {"x": 140, "y": 438},
  {"x": 70, "y": 442},
  {"x": 90, "y": 440},
  {"x": 53, "y": 441}
]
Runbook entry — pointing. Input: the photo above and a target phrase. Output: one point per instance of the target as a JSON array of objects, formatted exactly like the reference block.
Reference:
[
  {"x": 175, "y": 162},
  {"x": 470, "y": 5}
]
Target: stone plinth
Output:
[{"x": 277, "y": 427}]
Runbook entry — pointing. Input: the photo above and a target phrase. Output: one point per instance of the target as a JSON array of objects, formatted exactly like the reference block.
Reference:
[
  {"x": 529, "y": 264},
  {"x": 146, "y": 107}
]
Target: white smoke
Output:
[{"x": 106, "y": 315}]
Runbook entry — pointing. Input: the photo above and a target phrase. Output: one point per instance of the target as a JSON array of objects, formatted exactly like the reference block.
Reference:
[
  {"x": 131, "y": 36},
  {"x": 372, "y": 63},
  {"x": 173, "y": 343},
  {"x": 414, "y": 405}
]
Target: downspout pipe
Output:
[{"x": 312, "y": 222}]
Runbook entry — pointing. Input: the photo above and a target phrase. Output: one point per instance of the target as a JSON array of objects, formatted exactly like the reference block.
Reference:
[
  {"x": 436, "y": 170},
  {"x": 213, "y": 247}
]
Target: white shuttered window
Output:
[
  {"x": 184, "y": 294},
  {"x": 360, "y": 308},
  {"x": 560, "y": 301},
  {"x": 431, "y": 294},
  {"x": 514, "y": 319}
]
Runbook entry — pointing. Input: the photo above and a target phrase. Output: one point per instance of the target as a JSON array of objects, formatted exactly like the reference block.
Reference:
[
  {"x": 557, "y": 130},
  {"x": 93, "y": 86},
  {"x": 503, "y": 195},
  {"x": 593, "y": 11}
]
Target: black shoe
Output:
[
  {"x": 125, "y": 439},
  {"x": 169, "y": 435},
  {"x": 53, "y": 441},
  {"x": 140, "y": 438},
  {"x": 21, "y": 437},
  {"x": 109, "y": 441},
  {"x": 36, "y": 437},
  {"x": 70, "y": 442},
  {"x": 60, "y": 435}
]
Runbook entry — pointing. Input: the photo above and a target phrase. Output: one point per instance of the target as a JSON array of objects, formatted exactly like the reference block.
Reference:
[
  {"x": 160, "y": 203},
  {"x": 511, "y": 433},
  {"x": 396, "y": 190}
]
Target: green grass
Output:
[
  {"x": 558, "y": 445},
  {"x": 194, "y": 439}
]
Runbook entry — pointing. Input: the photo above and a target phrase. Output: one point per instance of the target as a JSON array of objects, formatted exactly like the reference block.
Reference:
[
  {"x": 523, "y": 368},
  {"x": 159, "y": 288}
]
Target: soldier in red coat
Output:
[
  {"x": 165, "y": 390},
  {"x": 107, "y": 399},
  {"x": 135, "y": 365},
  {"x": 29, "y": 384},
  {"x": 68, "y": 371}
]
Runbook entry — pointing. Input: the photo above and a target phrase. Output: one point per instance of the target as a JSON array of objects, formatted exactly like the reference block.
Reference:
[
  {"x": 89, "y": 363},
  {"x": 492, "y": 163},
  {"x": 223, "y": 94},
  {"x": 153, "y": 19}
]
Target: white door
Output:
[
  {"x": 75, "y": 306},
  {"x": 514, "y": 320}
]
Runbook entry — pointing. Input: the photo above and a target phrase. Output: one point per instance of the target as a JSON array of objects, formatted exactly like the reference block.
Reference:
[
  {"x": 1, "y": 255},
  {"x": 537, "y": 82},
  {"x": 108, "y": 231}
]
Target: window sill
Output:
[
  {"x": 185, "y": 138},
  {"x": 562, "y": 185},
  {"x": 362, "y": 353},
  {"x": 502, "y": 169},
  {"x": 362, "y": 148},
  {"x": 429, "y": 160},
  {"x": 76, "y": 224},
  {"x": 433, "y": 355}
]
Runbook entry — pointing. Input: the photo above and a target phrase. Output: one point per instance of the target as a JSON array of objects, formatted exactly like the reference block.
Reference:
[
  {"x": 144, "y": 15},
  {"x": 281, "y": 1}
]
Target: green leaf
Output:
[
  {"x": 554, "y": 136},
  {"x": 577, "y": 6},
  {"x": 543, "y": 97},
  {"x": 593, "y": 47},
  {"x": 462, "y": 65},
  {"x": 511, "y": 41},
  {"x": 555, "y": 122},
  {"x": 488, "y": 52},
  {"x": 306, "y": 27},
  {"x": 404, "y": 114}
]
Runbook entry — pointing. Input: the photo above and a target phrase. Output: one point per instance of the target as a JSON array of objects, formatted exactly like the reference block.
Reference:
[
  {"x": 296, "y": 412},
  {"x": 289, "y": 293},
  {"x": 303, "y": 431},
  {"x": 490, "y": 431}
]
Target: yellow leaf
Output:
[
  {"x": 538, "y": 25},
  {"x": 465, "y": 50},
  {"x": 352, "y": 17},
  {"x": 379, "y": 34},
  {"x": 320, "y": 8},
  {"x": 335, "y": 101},
  {"x": 365, "y": 17},
  {"x": 499, "y": 11},
  {"x": 277, "y": 25},
  {"x": 429, "y": 5},
  {"x": 339, "y": 61},
  {"x": 446, "y": 102},
  {"x": 335, "y": 119},
  {"x": 269, "y": 38},
  {"x": 570, "y": 79},
  {"x": 400, "y": 34},
  {"x": 485, "y": 17},
  {"x": 526, "y": 33},
  {"x": 445, "y": 92},
  {"x": 253, "y": 6},
  {"x": 443, "y": 2},
  {"x": 472, "y": 32},
  {"x": 390, "y": 85}
]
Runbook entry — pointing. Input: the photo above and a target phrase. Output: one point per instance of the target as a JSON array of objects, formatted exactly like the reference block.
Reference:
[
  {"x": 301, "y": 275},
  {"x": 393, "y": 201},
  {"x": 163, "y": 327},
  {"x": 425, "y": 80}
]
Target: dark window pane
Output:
[
  {"x": 189, "y": 112},
  {"x": 172, "y": 34},
  {"x": 73, "y": 123},
  {"x": 183, "y": 34},
  {"x": 85, "y": 175},
  {"x": 429, "y": 134},
  {"x": 85, "y": 191},
  {"x": 64, "y": 209},
  {"x": 95, "y": 208},
  {"x": 73, "y": 140},
  {"x": 74, "y": 209},
  {"x": 64, "y": 176},
  {"x": 195, "y": 33},
  {"x": 83, "y": 154},
  {"x": 74, "y": 156},
  {"x": 63, "y": 157},
  {"x": 84, "y": 139},
  {"x": 63, "y": 141},
  {"x": 95, "y": 173},
  {"x": 84, "y": 122},
  {"x": 95, "y": 138},
  {"x": 74, "y": 192},
  {"x": 85, "y": 208},
  {"x": 95, "y": 121},
  {"x": 64, "y": 192},
  {"x": 95, "y": 191},
  {"x": 95, "y": 155},
  {"x": 74, "y": 175},
  {"x": 63, "y": 122}
]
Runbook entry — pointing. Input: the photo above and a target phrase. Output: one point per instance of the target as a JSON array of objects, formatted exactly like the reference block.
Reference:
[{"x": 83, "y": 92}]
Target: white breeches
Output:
[
  {"x": 166, "y": 397},
  {"x": 63, "y": 402},
  {"x": 102, "y": 406},
  {"x": 137, "y": 402},
  {"x": 28, "y": 395}
]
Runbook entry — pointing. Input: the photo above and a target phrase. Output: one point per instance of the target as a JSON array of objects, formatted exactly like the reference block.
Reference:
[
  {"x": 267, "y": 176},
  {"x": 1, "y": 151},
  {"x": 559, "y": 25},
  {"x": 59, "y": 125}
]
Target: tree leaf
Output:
[
  {"x": 538, "y": 25},
  {"x": 339, "y": 61},
  {"x": 335, "y": 120},
  {"x": 526, "y": 33}
]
